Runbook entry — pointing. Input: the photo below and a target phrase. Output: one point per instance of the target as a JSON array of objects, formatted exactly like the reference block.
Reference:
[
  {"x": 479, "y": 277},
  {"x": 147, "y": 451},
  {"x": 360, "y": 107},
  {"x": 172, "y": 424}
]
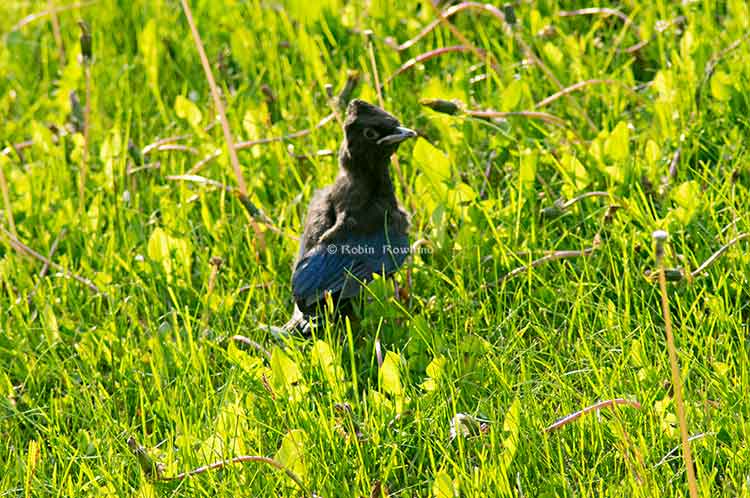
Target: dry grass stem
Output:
[
  {"x": 217, "y": 99},
  {"x": 40, "y": 15},
  {"x": 687, "y": 456},
  {"x": 8, "y": 207},
  {"x": 24, "y": 249},
  {"x": 546, "y": 259},
  {"x": 578, "y": 86},
  {"x": 56, "y": 30},
  {"x": 253, "y": 344},
  {"x": 596, "y": 406}
]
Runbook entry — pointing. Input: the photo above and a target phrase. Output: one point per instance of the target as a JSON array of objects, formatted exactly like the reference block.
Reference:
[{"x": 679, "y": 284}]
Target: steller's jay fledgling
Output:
[{"x": 354, "y": 227}]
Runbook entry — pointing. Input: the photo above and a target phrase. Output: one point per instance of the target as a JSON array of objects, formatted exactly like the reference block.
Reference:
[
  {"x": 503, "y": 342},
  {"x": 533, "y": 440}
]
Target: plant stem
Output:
[
  {"x": 217, "y": 99},
  {"x": 676, "y": 378}
]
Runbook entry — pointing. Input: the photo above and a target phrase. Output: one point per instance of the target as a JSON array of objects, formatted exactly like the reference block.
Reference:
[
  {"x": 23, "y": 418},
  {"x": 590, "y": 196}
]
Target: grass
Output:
[{"x": 664, "y": 133}]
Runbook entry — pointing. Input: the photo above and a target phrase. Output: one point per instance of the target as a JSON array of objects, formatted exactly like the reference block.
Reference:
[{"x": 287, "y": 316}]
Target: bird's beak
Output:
[{"x": 399, "y": 136}]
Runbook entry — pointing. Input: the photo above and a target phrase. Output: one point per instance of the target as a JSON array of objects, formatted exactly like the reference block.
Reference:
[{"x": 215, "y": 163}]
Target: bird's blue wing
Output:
[{"x": 340, "y": 267}]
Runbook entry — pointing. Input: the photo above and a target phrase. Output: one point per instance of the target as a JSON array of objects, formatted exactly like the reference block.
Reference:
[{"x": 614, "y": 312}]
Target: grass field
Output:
[{"x": 658, "y": 120}]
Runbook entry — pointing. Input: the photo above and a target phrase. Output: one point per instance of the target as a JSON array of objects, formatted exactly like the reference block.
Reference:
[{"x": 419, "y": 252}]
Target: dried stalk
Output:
[
  {"x": 495, "y": 12},
  {"x": 180, "y": 147},
  {"x": 610, "y": 403},
  {"x": 253, "y": 344},
  {"x": 131, "y": 171},
  {"x": 17, "y": 148},
  {"x": 674, "y": 450},
  {"x": 546, "y": 259},
  {"x": 635, "y": 48},
  {"x": 217, "y": 99},
  {"x": 255, "y": 213},
  {"x": 163, "y": 141},
  {"x": 603, "y": 11},
  {"x": 424, "y": 57},
  {"x": 24, "y": 249},
  {"x": 718, "y": 254},
  {"x": 456, "y": 107},
  {"x": 560, "y": 205},
  {"x": 708, "y": 71},
  {"x": 678, "y": 274},
  {"x": 56, "y": 30},
  {"x": 578, "y": 86},
  {"x": 481, "y": 54},
  {"x": 543, "y": 116},
  {"x": 660, "y": 237},
  {"x": 6, "y": 201},
  {"x": 45, "y": 267},
  {"x": 450, "y": 12},
  {"x": 262, "y": 141},
  {"x": 155, "y": 469},
  {"x": 86, "y": 60},
  {"x": 215, "y": 263},
  {"x": 297, "y": 134},
  {"x": 39, "y": 15}
]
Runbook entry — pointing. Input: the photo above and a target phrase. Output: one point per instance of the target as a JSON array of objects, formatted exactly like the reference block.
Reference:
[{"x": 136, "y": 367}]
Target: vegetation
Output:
[{"x": 128, "y": 332}]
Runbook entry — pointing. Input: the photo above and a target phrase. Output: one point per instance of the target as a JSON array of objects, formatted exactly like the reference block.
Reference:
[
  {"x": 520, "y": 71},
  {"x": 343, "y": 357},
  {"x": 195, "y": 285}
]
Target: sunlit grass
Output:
[{"x": 80, "y": 372}]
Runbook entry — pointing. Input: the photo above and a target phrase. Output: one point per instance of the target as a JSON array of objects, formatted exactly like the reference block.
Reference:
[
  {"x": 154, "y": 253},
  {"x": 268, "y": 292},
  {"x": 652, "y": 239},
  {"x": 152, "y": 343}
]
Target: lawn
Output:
[{"x": 579, "y": 129}]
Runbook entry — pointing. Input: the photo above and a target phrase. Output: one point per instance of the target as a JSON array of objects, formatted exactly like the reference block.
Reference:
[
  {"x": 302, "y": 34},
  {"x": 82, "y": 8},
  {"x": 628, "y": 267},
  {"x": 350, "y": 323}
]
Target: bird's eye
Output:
[{"x": 370, "y": 134}]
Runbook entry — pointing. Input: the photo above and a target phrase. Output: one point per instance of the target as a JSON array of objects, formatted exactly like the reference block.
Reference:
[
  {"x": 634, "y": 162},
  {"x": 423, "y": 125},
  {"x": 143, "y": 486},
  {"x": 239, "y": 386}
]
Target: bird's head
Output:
[{"x": 371, "y": 136}]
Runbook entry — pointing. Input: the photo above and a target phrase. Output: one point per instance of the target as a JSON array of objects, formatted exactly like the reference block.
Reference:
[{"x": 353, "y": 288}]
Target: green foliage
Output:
[{"x": 81, "y": 372}]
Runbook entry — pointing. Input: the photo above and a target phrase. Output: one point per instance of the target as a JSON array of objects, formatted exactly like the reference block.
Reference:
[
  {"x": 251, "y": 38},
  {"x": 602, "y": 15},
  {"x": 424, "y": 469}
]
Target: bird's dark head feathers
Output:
[{"x": 371, "y": 135}]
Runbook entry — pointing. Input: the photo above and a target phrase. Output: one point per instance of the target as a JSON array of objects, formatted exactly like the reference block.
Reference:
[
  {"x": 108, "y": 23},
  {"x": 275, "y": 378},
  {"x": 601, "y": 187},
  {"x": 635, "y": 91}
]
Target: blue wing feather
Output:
[{"x": 339, "y": 268}]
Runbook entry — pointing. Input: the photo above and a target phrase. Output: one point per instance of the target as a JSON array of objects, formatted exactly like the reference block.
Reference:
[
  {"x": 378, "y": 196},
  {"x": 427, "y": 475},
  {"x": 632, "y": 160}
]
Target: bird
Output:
[{"x": 355, "y": 227}]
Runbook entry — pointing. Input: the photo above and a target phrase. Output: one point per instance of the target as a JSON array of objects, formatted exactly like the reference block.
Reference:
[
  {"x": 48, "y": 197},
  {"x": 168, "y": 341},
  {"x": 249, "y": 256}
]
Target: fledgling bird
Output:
[{"x": 356, "y": 226}]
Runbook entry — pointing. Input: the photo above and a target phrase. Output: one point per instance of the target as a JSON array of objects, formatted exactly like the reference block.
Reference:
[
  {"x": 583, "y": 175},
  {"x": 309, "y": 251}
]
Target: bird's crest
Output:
[{"x": 366, "y": 114}]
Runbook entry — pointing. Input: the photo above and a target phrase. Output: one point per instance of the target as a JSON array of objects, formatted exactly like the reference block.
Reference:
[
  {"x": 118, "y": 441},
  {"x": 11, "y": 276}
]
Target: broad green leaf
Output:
[
  {"x": 434, "y": 372},
  {"x": 554, "y": 55},
  {"x": 250, "y": 364},
  {"x": 291, "y": 454},
  {"x": 721, "y": 86},
  {"x": 51, "y": 328},
  {"x": 6, "y": 386},
  {"x": 686, "y": 193},
  {"x": 442, "y": 486},
  {"x": 721, "y": 368},
  {"x": 148, "y": 44},
  {"x": 390, "y": 374},
  {"x": 187, "y": 110},
  {"x": 687, "y": 43},
  {"x": 664, "y": 84},
  {"x": 432, "y": 162},
  {"x": 93, "y": 213},
  {"x": 243, "y": 46},
  {"x": 436, "y": 367},
  {"x": 536, "y": 21},
  {"x": 511, "y": 96},
  {"x": 653, "y": 152},
  {"x": 527, "y": 169},
  {"x": 42, "y": 136},
  {"x": 173, "y": 253},
  {"x": 512, "y": 428},
  {"x": 322, "y": 355},
  {"x": 616, "y": 146},
  {"x": 687, "y": 196},
  {"x": 575, "y": 171},
  {"x": 286, "y": 373},
  {"x": 249, "y": 124},
  {"x": 233, "y": 427}
]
